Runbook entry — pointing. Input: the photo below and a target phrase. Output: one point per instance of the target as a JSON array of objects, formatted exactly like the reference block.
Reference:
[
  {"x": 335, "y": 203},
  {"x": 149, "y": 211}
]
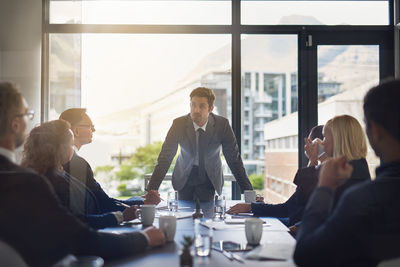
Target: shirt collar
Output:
[
  {"x": 196, "y": 127},
  {"x": 10, "y": 155},
  {"x": 76, "y": 149}
]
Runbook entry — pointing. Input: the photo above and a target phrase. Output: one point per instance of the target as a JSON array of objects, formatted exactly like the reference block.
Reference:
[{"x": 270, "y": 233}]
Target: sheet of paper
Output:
[
  {"x": 178, "y": 214},
  {"x": 271, "y": 252}
]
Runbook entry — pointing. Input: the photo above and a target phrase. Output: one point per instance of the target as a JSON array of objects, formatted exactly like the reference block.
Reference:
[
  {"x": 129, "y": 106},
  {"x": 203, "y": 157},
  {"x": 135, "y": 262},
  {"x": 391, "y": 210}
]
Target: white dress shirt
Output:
[{"x": 8, "y": 154}]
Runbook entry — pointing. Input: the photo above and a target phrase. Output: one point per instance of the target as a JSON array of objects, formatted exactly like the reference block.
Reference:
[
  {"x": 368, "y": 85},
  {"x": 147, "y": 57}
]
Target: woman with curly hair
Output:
[{"x": 47, "y": 148}]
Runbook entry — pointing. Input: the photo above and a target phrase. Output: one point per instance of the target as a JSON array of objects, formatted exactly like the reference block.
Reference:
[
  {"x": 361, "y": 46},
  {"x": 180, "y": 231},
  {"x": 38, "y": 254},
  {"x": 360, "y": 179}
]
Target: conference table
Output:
[{"x": 275, "y": 234}]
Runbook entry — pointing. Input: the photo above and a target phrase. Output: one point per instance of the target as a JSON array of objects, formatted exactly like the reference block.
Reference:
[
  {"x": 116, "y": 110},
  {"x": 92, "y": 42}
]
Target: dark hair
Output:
[
  {"x": 10, "y": 103},
  {"x": 45, "y": 146},
  {"x": 204, "y": 92},
  {"x": 316, "y": 132},
  {"x": 381, "y": 105},
  {"x": 73, "y": 115}
]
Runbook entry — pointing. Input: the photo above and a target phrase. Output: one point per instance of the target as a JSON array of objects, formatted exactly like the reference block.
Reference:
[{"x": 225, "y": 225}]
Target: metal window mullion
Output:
[
  {"x": 44, "y": 96},
  {"x": 149, "y": 29},
  {"x": 236, "y": 83}
]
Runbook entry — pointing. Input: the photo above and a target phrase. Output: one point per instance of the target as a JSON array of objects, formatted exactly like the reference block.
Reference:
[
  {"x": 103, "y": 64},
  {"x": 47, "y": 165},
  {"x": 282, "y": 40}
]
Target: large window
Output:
[
  {"x": 140, "y": 12},
  {"x": 345, "y": 73},
  {"x": 315, "y": 12},
  {"x": 268, "y": 63},
  {"x": 132, "y": 64},
  {"x": 133, "y": 87}
]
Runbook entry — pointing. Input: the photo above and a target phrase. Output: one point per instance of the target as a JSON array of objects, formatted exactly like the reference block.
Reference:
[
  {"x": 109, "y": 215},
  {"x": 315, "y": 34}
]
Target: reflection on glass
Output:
[
  {"x": 133, "y": 88},
  {"x": 315, "y": 12},
  {"x": 64, "y": 72},
  {"x": 269, "y": 112},
  {"x": 141, "y": 12},
  {"x": 345, "y": 74}
]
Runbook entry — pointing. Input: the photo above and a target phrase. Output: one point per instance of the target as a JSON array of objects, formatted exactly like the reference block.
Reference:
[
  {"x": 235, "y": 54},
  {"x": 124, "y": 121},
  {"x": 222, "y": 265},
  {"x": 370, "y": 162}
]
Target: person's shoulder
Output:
[
  {"x": 28, "y": 179},
  {"x": 359, "y": 191},
  {"x": 181, "y": 119},
  {"x": 305, "y": 175},
  {"x": 219, "y": 119},
  {"x": 79, "y": 159},
  {"x": 7, "y": 165},
  {"x": 360, "y": 169}
]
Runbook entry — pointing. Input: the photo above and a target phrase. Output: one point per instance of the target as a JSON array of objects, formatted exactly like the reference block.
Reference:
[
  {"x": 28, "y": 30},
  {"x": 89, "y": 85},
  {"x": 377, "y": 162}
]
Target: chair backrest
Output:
[
  {"x": 390, "y": 263},
  {"x": 10, "y": 257}
]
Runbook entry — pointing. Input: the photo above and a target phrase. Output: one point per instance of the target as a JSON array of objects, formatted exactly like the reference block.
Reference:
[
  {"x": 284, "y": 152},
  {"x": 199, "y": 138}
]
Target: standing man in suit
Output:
[
  {"x": 32, "y": 219},
  {"x": 82, "y": 127},
  {"x": 200, "y": 135}
]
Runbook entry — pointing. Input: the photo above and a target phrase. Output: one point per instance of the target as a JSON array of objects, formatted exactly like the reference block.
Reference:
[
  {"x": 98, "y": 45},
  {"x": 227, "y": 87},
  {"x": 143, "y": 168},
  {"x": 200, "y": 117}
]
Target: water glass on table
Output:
[
  {"x": 219, "y": 207},
  {"x": 172, "y": 201},
  {"x": 203, "y": 238}
]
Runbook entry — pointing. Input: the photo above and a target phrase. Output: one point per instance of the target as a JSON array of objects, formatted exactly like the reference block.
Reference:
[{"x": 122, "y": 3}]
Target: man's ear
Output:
[
  {"x": 211, "y": 108},
  {"x": 14, "y": 125},
  {"x": 376, "y": 132},
  {"x": 75, "y": 131}
]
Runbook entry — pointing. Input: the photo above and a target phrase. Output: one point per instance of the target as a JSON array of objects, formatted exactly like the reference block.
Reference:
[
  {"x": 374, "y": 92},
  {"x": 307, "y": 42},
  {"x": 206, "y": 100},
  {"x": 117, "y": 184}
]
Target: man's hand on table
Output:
[
  {"x": 130, "y": 213},
  {"x": 334, "y": 172},
  {"x": 155, "y": 236},
  {"x": 259, "y": 198},
  {"x": 239, "y": 208},
  {"x": 152, "y": 197}
]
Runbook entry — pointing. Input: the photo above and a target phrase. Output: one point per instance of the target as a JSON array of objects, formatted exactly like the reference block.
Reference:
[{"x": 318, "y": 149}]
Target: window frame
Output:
[{"x": 307, "y": 91}]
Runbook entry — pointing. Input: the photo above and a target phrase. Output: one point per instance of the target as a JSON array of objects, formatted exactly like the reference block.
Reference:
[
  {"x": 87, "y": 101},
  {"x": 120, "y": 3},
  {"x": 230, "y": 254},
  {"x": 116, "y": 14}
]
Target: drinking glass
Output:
[
  {"x": 219, "y": 207},
  {"x": 203, "y": 238},
  {"x": 172, "y": 201}
]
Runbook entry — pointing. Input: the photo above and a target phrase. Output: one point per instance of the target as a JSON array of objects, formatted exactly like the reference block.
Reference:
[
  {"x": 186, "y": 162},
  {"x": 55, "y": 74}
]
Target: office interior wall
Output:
[{"x": 20, "y": 48}]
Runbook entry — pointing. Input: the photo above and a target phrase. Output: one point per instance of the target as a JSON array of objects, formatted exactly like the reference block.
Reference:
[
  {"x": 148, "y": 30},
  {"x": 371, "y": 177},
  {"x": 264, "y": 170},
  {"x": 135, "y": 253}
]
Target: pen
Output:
[
  {"x": 225, "y": 253},
  {"x": 119, "y": 203},
  {"x": 237, "y": 257}
]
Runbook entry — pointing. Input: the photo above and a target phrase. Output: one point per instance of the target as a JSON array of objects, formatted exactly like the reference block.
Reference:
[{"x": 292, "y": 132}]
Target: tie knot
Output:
[{"x": 200, "y": 130}]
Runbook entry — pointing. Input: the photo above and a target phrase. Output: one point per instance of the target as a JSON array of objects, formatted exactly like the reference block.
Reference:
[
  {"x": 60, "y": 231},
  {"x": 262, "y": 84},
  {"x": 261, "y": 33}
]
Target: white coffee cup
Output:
[
  {"x": 253, "y": 228},
  {"x": 249, "y": 196},
  {"x": 167, "y": 224},
  {"x": 147, "y": 213}
]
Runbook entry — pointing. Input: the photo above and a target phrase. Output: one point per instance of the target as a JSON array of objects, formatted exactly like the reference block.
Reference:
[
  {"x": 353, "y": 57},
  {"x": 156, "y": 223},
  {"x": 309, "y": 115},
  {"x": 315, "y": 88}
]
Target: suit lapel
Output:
[
  {"x": 190, "y": 133},
  {"x": 210, "y": 129}
]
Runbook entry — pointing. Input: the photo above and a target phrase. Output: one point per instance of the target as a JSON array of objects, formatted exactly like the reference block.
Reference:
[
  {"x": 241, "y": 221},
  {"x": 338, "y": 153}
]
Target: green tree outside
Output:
[{"x": 257, "y": 181}]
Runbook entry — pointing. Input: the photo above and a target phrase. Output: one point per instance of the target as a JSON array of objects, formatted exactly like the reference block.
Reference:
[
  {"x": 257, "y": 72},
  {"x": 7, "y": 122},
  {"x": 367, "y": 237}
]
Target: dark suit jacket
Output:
[
  {"x": 33, "y": 221},
  {"x": 362, "y": 230},
  {"x": 306, "y": 180},
  {"x": 89, "y": 210},
  {"x": 218, "y": 133},
  {"x": 79, "y": 168}
]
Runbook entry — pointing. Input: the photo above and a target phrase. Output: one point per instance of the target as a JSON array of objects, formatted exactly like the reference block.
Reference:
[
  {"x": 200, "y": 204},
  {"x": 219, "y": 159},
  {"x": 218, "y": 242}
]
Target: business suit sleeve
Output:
[
  {"x": 100, "y": 221},
  {"x": 44, "y": 231},
  {"x": 231, "y": 152},
  {"x": 325, "y": 240},
  {"x": 83, "y": 171},
  {"x": 167, "y": 154},
  {"x": 274, "y": 210}
]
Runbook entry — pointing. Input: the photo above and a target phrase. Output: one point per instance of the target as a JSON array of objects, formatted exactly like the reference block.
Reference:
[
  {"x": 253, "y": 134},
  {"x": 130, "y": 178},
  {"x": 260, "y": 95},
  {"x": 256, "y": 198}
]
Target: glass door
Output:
[{"x": 342, "y": 68}]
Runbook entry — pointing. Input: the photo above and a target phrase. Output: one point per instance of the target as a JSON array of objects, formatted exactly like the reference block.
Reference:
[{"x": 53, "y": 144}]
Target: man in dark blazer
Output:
[
  {"x": 32, "y": 220},
  {"x": 200, "y": 135},
  {"x": 83, "y": 129}
]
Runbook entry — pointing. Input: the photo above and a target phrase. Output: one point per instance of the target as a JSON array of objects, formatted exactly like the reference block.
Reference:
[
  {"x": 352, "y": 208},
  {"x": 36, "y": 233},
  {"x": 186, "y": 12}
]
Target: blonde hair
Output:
[
  {"x": 46, "y": 145},
  {"x": 348, "y": 137}
]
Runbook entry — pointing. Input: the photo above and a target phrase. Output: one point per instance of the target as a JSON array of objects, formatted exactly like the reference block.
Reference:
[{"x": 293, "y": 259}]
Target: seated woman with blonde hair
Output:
[
  {"x": 47, "y": 148},
  {"x": 343, "y": 135}
]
